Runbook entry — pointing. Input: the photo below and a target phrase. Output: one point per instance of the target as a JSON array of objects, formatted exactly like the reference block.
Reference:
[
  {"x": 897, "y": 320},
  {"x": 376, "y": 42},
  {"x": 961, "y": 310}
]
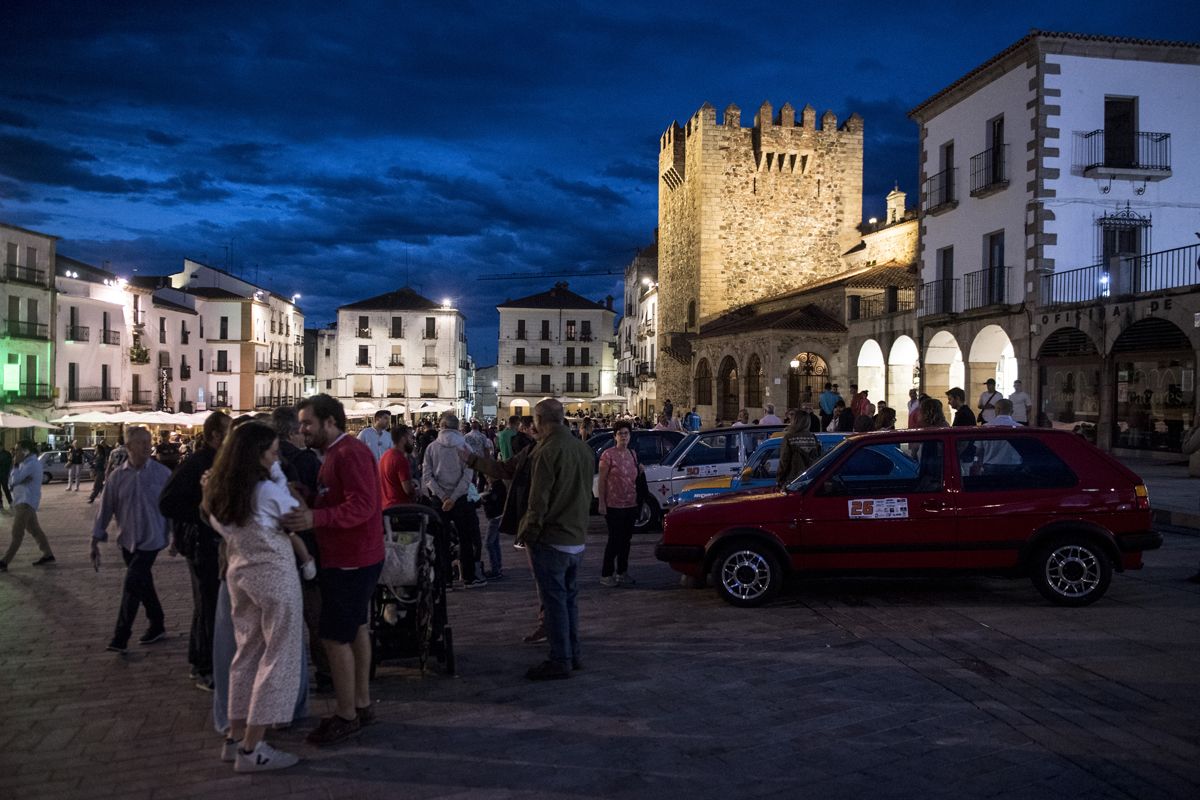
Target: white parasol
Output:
[{"x": 17, "y": 421}]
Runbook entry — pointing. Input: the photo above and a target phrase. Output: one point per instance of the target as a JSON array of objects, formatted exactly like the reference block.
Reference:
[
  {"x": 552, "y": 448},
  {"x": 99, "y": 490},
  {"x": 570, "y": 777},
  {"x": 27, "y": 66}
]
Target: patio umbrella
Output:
[
  {"x": 608, "y": 398},
  {"x": 17, "y": 421},
  {"x": 395, "y": 409},
  {"x": 433, "y": 407}
]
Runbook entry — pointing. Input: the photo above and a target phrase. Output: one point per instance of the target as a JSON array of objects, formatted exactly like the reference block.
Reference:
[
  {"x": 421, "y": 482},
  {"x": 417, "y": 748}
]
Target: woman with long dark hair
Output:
[
  {"x": 932, "y": 415},
  {"x": 245, "y": 497}
]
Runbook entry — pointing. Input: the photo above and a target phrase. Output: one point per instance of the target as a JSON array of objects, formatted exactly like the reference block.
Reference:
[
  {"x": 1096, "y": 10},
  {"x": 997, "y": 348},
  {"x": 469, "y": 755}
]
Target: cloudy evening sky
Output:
[{"x": 342, "y": 149}]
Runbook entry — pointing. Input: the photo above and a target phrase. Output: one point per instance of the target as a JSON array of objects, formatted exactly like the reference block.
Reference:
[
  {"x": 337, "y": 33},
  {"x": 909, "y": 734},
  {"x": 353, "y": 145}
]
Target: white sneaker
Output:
[
  {"x": 229, "y": 750},
  {"x": 262, "y": 759}
]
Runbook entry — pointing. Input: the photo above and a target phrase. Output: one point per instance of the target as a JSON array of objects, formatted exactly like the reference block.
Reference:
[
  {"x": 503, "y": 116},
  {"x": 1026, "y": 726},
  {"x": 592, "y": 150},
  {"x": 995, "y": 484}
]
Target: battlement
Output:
[{"x": 765, "y": 118}]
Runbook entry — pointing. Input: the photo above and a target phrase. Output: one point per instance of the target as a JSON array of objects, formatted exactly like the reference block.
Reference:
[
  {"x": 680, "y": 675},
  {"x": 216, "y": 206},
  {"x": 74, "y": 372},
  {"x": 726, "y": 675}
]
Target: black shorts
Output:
[{"x": 346, "y": 601}]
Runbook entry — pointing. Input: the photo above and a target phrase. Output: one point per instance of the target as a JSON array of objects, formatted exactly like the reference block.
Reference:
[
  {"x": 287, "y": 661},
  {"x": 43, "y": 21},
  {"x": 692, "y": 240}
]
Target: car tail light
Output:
[{"x": 1143, "y": 497}]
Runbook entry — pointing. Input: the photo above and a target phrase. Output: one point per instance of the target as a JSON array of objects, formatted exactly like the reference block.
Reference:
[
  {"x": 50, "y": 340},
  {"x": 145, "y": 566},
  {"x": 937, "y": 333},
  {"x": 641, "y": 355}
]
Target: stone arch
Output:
[
  {"x": 755, "y": 381},
  {"x": 1067, "y": 342},
  {"x": 992, "y": 356},
  {"x": 943, "y": 365},
  {"x": 728, "y": 393},
  {"x": 807, "y": 374},
  {"x": 702, "y": 384},
  {"x": 902, "y": 362},
  {"x": 871, "y": 371}
]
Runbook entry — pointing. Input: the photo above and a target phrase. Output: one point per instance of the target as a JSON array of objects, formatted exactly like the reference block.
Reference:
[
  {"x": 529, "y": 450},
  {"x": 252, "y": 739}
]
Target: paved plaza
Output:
[{"x": 852, "y": 688}]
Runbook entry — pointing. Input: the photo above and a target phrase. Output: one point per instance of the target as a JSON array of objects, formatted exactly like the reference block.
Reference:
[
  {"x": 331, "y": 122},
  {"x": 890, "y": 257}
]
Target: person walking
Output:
[
  {"x": 963, "y": 416},
  {"x": 493, "y": 501},
  {"x": 554, "y": 530},
  {"x": 505, "y": 436},
  {"x": 246, "y": 498},
  {"x": 74, "y": 466},
  {"x": 6, "y": 465},
  {"x": 199, "y": 544},
  {"x": 987, "y": 401},
  {"x": 446, "y": 478},
  {"x": 376, "y": 436},
  {"x": 132, "y": 499},
  {"x": 99, "y": 468},
  {"x": 348, "y": 521},
  {"x": 25, "y": 480},
  {"x": 617, "y": 493}
]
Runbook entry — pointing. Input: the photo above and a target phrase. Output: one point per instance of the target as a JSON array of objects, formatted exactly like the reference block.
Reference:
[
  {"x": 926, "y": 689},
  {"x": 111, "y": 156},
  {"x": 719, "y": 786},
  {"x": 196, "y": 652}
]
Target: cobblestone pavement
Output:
[{"x": 853, "y": 688}]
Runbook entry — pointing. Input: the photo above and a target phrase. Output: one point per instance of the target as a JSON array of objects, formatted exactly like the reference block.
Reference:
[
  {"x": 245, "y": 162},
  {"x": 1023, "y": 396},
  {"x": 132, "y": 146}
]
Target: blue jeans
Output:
[
  {"x": 223, "y": 649},
  {"x": 493, "y": 544},
  {"x": 556, "y": 573}
]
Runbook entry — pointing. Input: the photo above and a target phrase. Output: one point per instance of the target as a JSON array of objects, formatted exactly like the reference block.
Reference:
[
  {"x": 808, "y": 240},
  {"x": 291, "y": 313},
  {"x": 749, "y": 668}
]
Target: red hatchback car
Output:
[{"x": 1014, "y": 501}]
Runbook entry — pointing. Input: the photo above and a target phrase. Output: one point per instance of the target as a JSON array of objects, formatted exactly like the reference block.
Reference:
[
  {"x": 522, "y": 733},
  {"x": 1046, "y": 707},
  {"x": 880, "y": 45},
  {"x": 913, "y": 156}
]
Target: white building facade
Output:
[
  {"x": 28, "y": 334},
  {"x": 398, "y": 348},
  {"x": 555, "y": 344},
  {"x": 1058, "y": 220}
]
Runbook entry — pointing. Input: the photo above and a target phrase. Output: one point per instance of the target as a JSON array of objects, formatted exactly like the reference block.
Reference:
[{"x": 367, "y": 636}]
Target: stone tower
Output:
[{"x": 749, "y": 213}]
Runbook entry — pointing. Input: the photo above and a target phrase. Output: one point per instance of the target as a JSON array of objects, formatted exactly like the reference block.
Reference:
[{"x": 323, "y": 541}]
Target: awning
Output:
[
  {"x": 17, "y": 421},
  {"x": 608, "y": 398}
]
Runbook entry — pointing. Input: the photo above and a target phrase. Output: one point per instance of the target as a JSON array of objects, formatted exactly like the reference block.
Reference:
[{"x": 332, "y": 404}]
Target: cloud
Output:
[
  {"x": 169, "y": 140},
  {"x": 15, "y": 119},
  {"x": 35, "y": 161}
]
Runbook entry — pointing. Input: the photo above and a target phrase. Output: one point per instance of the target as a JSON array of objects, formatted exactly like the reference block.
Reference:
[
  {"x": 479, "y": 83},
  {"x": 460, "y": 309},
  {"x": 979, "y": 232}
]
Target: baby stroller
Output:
[{"x": 408, "y": 608}]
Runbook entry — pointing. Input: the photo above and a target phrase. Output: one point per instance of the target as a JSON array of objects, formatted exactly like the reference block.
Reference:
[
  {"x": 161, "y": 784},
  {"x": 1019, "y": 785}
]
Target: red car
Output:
[{"x": 1013, "y": 501}]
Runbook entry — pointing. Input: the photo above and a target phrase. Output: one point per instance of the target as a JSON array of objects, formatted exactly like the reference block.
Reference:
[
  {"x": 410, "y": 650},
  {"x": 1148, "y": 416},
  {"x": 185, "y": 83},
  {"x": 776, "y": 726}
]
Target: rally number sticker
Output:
[{"x": 883, "y": 508}]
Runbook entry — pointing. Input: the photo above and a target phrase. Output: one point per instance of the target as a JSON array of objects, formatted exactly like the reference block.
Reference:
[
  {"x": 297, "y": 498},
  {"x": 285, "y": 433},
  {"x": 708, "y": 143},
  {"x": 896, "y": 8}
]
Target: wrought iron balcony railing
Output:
[
  {"x": 19, "y": 274},
  {"x": 110, "y": 337},
  {"x": 1125, "y": 277},
  {"x": 27, "y": 330},
  {"x": 987, "y": 287},
  {"x": 1143, "y": 151},
  {"x": 939, "y": 297},
  {"x": 78, "y": 333},
  {"x": 989, "y": 170},
  {"x": 938, "y": 191}
]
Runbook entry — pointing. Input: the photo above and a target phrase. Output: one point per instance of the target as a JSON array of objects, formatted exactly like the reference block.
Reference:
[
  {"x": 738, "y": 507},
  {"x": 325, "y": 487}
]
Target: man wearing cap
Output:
[{"x": 987, "y": 402}]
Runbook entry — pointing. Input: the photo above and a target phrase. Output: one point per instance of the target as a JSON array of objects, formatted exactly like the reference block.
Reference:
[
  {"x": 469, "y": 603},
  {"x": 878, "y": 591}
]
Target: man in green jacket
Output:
[{"x": 553, "y": 529}]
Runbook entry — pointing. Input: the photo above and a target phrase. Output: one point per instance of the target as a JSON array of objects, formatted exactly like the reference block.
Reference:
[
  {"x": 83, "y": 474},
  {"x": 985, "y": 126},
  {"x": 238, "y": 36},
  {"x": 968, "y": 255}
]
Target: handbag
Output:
[{"x": 400, "y": 550}]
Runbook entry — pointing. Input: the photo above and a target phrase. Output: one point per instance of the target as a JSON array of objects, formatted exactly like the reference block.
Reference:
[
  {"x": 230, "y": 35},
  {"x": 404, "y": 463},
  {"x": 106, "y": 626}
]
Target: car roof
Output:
[{"x": 737, "y": 429}]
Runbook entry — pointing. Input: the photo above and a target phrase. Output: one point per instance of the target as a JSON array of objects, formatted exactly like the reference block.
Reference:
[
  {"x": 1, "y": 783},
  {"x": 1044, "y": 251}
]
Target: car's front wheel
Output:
[
  {"x": 647, "y": 518},
  {"x": 1071, "y": 571},
  {"x": 747, "y": 574},
  {"x": 46, "y": 478}
]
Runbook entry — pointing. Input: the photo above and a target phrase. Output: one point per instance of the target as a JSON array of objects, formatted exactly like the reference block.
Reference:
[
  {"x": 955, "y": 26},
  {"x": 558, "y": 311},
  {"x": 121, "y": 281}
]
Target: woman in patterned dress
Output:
[{"x": 245, "y": 497}]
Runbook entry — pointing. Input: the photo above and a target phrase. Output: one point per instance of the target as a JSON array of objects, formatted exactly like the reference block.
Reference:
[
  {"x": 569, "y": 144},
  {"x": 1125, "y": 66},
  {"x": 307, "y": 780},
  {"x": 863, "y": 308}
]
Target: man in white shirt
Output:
[
  {"x": 987, "y": 402},
  {"x": 1021, "y": 402},
  {"x": 377, "y": 437},
  {"x": 769, "y": 418}
]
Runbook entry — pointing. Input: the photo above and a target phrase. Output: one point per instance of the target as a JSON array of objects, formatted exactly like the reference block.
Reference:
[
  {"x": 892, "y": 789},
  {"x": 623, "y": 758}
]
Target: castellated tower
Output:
[{"x": 746, "y": 213}]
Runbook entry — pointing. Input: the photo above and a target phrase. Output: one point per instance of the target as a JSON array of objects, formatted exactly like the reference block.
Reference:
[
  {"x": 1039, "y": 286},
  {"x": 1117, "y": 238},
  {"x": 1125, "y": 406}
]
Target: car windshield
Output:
[
  {"x": 679, "y": 449},
  {"x": 804, "y": 479}
]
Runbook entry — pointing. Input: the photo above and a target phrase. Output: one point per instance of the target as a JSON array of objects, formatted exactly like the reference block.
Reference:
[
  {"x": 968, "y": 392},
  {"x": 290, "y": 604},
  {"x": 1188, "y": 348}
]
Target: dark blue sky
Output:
[{"x": 335, "y": 148}]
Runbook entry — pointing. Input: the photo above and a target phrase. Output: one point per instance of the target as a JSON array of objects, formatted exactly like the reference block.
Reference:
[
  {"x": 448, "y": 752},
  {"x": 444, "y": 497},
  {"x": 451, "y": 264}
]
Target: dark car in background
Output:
[{"x": 651, "y": 447}]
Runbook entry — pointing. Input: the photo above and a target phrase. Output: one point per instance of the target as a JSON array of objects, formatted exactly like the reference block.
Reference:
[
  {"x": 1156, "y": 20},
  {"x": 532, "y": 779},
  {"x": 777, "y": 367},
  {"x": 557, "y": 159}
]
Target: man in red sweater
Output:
[{"x": 348, "y": 521}]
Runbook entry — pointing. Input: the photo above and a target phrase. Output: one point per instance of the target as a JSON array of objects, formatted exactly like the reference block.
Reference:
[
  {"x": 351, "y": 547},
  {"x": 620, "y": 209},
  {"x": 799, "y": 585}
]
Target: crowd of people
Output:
[{"x": 280, "y": 520}]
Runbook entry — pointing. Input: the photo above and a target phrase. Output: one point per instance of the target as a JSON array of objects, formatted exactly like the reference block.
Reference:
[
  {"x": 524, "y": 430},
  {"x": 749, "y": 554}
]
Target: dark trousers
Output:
[
  {"x": 97, "y": 485},
  {"x": 466, "y": 522},
  {"x": 620, "y": 535},
  {"x": 4, "y": 488},
  {"x": 138, "y": 590},
  {"x": 204, "y": 567}
]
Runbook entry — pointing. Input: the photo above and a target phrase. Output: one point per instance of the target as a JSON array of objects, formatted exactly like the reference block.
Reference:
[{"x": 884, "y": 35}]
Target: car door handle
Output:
[{"x": 934, "y": 505}]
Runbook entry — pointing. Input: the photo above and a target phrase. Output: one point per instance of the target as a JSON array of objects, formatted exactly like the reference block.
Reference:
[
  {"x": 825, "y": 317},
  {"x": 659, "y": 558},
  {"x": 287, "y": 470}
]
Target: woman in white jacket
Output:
[{"x": 246, "y": 496}]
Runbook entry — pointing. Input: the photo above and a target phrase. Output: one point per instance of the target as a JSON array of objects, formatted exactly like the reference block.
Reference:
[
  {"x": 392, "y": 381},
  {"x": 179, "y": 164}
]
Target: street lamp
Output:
[{"x": 794, "y": 364}]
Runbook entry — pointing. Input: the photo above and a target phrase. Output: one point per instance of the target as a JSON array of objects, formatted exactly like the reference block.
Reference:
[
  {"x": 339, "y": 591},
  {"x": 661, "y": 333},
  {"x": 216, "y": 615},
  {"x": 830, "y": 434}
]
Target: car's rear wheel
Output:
[
  {"x": 46, "y": 478},
  {"x": 1071, "y": 571},
  {"x": 747, "y": 574}
]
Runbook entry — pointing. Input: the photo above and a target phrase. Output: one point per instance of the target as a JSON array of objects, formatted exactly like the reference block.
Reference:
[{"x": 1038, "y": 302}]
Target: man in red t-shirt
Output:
[
  {"x": 395, "y": 470},
  {"x": 348, "y": 521}
]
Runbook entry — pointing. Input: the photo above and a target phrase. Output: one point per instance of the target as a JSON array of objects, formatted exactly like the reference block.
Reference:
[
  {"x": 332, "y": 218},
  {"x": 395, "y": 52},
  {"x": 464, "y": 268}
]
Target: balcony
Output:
[
  {"x": 880, "y": 305},
  {"x": 938, "y": 192},
  {"x": 30, "y": 275},
  {"x": 262, "y": 367},
  {"x": 362, "y": 392},
  {"x": 429, "y": 335},
  {"x": 987, "y": 287},
  {"x": 585, "y": 362},
  {"x": 522, "y": 335},
  {"x": 545, "y": 337},
  {"x": 518, "y": 360},
  {"x": 1142, "y": 155},
  {"x": 78, "y": 333},
  {"x": 363, "y": 333},
  {"x": 26, "y": 330},
  {"x": 185, "y": 372},
  {"x": 363, "y": 362},
  {"x": 281, "y": 364},
  {"x": 463, "y": 364},
  {"x": 274, "y": 401},
  {"x": 429, "y": 362},
  {"x": 645, "y": 371},
  {"x": 939, "y": 297},
  {"x": 139, "y": 355},
  {"x": 297, "y": 368},
  {"x": 110, "y": 337},
  {"x": 396, "y": 361},
  {"x": 545, "y": 362},
  {"x": 586, "y": 336},
  {"x": 139, "y": 397},
  {"x": 220, "y": 400},
  {"x": 1126, "y": 277},
  {"x": 93, "y": 394},
  {"x": 29, "y": 391},
  {"x": 989, "y": 171},
  {"x": 395, "y": 392}
]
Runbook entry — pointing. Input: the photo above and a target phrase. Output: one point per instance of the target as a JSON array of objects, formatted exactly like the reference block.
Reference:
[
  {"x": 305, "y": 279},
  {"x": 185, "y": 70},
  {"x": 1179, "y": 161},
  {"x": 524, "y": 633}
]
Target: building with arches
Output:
[{"x": 1043, "y": 174}]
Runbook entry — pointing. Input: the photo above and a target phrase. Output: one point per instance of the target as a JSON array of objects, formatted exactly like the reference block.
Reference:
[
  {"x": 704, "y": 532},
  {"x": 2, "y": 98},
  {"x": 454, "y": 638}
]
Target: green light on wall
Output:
[{"x": 12, "y": 377}]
